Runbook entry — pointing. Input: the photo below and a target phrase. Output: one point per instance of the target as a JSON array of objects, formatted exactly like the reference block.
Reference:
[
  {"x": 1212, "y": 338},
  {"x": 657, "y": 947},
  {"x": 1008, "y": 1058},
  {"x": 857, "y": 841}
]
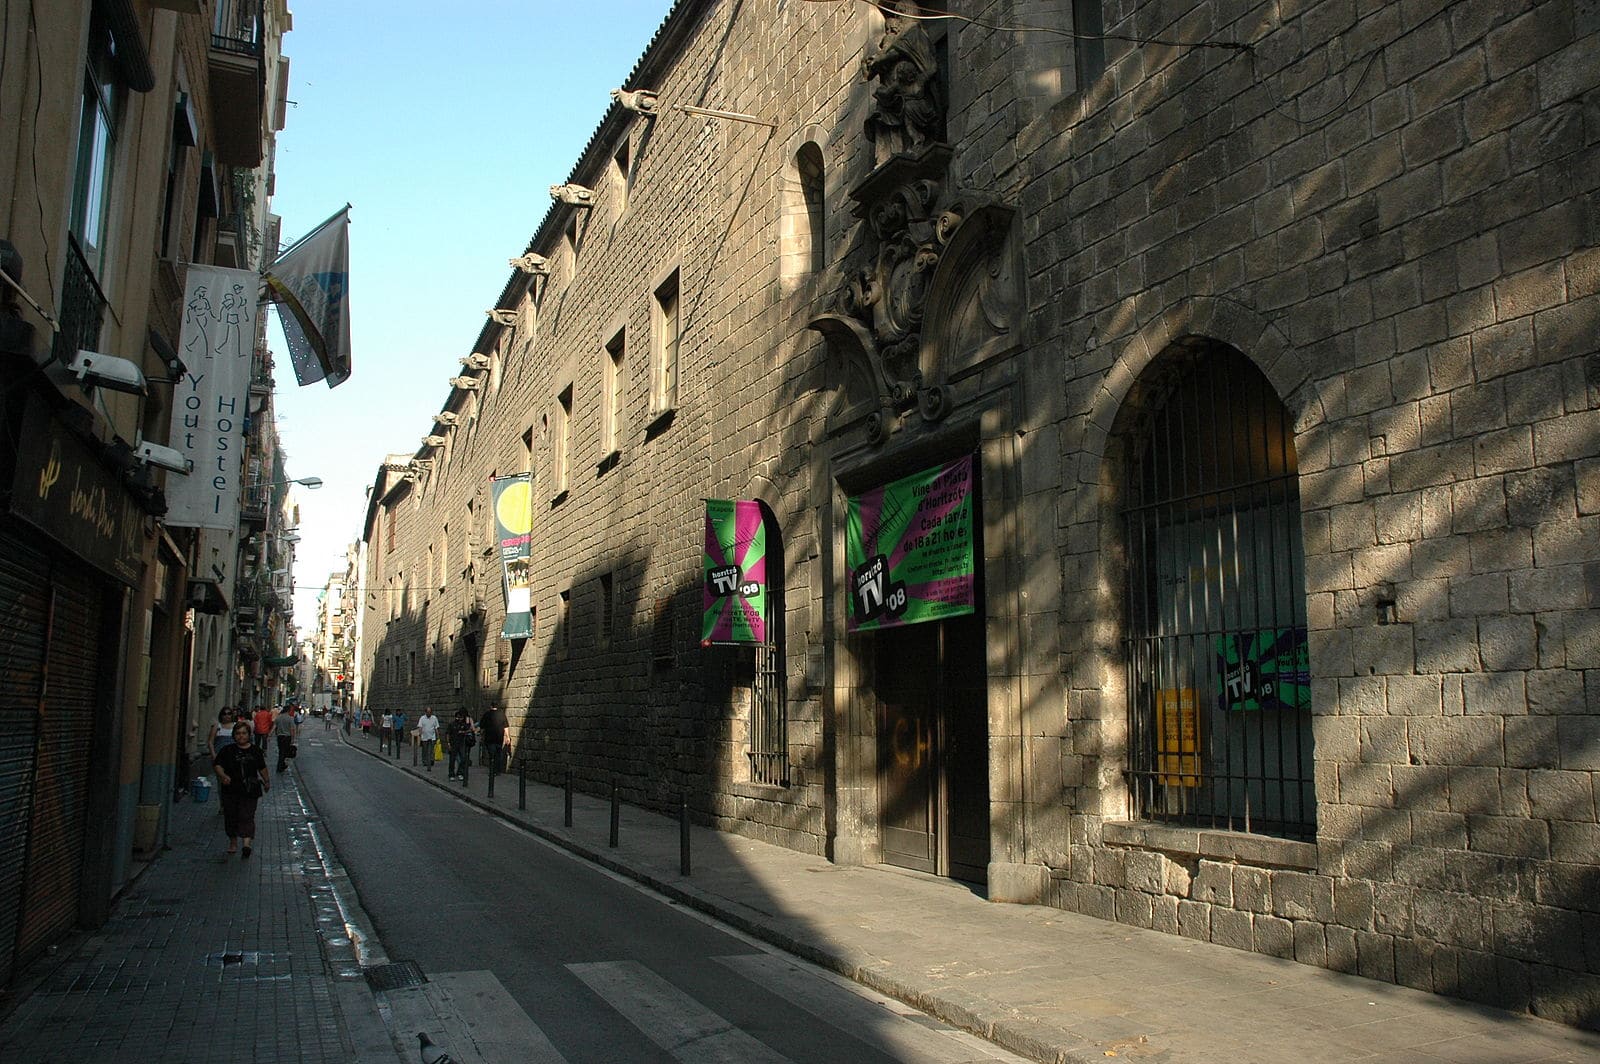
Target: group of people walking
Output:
[
  {"x": 238, "y": 742},
  {"x": 457, "y": 739},
  {"x": 238, "y": 758}
]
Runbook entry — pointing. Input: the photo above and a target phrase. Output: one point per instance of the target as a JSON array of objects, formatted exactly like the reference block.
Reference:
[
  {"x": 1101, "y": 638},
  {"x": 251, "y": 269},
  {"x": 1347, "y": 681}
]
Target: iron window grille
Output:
[
  {"x": 1218, "y": 670},
  {"x": 769, "y": 711}
]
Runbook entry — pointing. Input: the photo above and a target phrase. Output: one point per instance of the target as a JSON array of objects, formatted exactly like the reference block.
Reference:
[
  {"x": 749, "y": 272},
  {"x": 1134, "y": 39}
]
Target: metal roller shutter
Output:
[
  {"x": 55, "y": 857},
  {"x": 24, "y": 596}
]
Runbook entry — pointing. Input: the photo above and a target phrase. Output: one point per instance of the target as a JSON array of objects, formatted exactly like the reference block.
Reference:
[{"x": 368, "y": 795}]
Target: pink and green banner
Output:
[
  {"x": 513, "y": 527},
  {"x": 908, "y": 547},
  {"x": 735, "y": 566}
]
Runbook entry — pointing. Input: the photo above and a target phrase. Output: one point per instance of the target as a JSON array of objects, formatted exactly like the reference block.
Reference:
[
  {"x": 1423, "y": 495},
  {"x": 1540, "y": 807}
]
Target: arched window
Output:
[
  {"x": 804, "y": 221},
  {"x": 1219, "y": 696},
  {"x": 808, "y": 165}
]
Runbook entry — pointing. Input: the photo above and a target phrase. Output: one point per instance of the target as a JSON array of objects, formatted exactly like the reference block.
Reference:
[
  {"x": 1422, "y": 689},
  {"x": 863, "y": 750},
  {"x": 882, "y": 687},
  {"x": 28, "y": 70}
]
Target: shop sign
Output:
[
  {"x": 734, "y": 566},
  {"x": 62, "y": 490},
  {"x": 908, "y": 549},
  {"x": 513, "y": 526}
]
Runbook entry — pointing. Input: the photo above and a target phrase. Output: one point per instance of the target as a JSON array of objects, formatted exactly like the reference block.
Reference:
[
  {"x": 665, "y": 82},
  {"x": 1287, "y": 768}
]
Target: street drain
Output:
[
  {"x": 394, "y": 976},
  {"x": 250, "y": 959}
]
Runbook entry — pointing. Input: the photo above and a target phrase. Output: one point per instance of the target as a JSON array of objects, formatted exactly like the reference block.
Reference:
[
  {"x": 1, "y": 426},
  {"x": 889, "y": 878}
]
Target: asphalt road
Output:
[{"x": 607, "y": 971}]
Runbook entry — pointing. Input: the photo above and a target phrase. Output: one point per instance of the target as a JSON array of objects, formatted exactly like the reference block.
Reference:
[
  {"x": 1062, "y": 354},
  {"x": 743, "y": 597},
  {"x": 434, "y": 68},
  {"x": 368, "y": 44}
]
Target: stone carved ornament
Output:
[
  {"x": 936, "y": 253},
  {"x": 907, "y": 112}
]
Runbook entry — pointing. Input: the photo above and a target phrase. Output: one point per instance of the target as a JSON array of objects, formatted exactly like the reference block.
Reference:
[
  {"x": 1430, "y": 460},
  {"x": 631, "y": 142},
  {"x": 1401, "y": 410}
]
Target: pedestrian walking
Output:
[
  {"x": 242, "y": 779},
  {"x": 221, "y": 733},
  {"x": 385, "y": 731},
  {"x": 463, "y": 736},
  {"x": 286, "y": 728},
  {"x": 366, "y": 722},
  {"x": 261, "y": 726},
  {"x": 427, "y": 735},
  {"x": 399, "y": 731},
  {"x": 492, "y": 725}
]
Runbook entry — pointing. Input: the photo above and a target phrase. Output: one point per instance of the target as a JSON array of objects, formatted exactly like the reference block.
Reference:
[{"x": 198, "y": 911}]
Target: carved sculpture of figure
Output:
[{"x": 907, "y": 112}]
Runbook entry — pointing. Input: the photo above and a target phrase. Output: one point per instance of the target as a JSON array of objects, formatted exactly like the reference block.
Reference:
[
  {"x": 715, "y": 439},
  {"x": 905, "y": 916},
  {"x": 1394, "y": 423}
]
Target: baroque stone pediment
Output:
[{"x": 935, "y": 287}]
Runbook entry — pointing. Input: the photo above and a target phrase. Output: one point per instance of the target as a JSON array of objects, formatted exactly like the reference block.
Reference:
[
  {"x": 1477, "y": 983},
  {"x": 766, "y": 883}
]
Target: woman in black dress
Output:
[{"x": 242, "y": 777}]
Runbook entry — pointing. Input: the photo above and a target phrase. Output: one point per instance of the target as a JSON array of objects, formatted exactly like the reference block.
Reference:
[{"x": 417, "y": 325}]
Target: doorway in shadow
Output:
[{"x": 933, "y": 743}]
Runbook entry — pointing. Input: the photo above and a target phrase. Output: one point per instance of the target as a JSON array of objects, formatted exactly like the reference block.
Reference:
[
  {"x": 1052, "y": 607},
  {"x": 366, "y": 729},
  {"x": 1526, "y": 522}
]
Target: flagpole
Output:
[{"x": 329, "y": 221}]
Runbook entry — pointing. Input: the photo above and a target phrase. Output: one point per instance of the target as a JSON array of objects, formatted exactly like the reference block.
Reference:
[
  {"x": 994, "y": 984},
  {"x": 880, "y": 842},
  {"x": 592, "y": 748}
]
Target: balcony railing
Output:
[
  {"x": 83, "y": 307},
  {"x": 238, "y": 82},
  {"x": 238, "y": 27}
]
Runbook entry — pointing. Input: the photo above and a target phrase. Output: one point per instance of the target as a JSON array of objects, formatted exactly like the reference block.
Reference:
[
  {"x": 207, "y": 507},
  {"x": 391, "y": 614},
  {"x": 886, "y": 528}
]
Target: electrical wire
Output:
[{"x": 38, "y": 199}]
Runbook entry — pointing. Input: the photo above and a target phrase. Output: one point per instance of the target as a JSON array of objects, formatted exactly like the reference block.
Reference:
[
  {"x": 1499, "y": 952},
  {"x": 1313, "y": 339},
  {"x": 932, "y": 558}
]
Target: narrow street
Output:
[{"x": 604, "y": 969}]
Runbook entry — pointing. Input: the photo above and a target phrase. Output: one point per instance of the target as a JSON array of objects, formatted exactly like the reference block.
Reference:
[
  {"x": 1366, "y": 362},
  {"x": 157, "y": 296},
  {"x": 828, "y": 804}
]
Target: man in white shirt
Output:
[{"x": 427, "y": 734}]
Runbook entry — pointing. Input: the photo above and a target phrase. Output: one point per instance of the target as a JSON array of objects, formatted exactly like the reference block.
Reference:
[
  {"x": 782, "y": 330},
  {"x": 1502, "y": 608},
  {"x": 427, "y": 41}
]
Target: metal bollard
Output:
[
  {"x": 522, "y": 783},
  {"x": 492, "y": 767},
  {"x": 683, "y": 834},
  {"x": 416, "y": 753},
  {"x": 568, "y": 819},
  {"x": 616, "y": 814}
]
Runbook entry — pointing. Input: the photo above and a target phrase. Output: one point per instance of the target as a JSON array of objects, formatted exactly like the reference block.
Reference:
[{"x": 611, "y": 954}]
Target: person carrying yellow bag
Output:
[{"x": 428, "y": 735}]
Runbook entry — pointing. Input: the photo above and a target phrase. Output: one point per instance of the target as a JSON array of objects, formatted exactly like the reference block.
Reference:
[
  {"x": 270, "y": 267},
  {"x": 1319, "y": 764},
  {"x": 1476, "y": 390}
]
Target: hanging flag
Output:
[
  {"x": 908, "y": 546},
  {"x": 310, "y": 283},
  {"x": 734, "y": 594},
  {"x": 217, "y": 344},
  {"x": 513, "y": 526}
]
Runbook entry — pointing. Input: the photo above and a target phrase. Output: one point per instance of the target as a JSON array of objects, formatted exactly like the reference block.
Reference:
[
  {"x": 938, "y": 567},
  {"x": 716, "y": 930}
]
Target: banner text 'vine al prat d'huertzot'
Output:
[
  {"x": 734, "y": 594},
  {"x": 908, "y": 547},
  {"x": 513, "y": 526}
]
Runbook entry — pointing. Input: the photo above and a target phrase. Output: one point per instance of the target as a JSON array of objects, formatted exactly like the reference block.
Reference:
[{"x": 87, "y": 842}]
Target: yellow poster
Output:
[{"x": 1178, "y": 737}]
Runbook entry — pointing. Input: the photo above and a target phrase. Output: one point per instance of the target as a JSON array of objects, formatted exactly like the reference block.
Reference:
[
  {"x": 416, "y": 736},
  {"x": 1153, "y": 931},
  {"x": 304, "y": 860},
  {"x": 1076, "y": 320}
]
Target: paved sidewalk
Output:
[
  {"x": 209, "y": 958},
  {"x": 1047, "y": 984}
]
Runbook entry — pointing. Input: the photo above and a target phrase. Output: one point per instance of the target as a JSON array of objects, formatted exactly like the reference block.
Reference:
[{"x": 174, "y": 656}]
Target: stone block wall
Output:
[{"x": 1392, "y": 210}]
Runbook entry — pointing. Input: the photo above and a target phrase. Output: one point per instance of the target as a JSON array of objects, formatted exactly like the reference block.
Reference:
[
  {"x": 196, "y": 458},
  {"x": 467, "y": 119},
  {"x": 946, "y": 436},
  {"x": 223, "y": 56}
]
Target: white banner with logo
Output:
[{"x": 209, "y": 402}]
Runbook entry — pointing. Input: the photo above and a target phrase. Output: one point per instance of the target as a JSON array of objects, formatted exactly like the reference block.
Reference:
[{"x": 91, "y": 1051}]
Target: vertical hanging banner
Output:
[
  {"x": 734, "y": 595},
  {"x": 908, "y": 548},
  {"x": 513, "y": 526},
  {"x": 209, "y": 401}
]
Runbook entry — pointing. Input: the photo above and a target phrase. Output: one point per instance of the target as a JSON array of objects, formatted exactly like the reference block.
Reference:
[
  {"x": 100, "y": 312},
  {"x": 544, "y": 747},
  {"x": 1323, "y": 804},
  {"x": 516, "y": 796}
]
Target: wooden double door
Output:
[{"x": 933, "y": 748}]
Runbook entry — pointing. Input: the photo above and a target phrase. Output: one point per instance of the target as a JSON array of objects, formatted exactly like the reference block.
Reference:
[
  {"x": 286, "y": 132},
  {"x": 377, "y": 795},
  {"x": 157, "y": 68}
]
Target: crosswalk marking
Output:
[
  {"x": 894, "y": 1029},
  {"x": 670, "y": 1018},
  {"x": 469, "y": 1014}
]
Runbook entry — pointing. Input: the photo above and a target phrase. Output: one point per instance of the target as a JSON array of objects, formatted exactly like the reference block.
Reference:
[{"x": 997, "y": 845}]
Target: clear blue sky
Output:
[{"x": 443, "y": 125}]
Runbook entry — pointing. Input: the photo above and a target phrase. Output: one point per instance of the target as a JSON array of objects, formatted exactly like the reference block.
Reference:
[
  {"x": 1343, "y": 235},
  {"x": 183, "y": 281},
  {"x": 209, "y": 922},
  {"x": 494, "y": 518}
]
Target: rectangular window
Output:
[
  {"x": 664, "y": 331},
  {"x": 611, "y": 396},
  {"x": 607, "y": 609},
  {"x": 389, "y": 549},
  {"x": 561, "y": 441},
  {"x": 97, "y": 135},
  {"x": 444, "y": 557},
  {"x": 621, "y": 180},
  {"x": 427, "y": 587},
  {"x": 1089, "y": 48},
  {"x": 564, "y": 636},
  {"x": 411, "y": 668}
]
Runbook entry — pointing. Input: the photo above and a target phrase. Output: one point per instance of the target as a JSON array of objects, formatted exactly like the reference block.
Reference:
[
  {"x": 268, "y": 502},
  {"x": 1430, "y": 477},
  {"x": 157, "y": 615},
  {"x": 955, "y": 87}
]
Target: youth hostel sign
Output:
[{"x": 908, "y": 549}]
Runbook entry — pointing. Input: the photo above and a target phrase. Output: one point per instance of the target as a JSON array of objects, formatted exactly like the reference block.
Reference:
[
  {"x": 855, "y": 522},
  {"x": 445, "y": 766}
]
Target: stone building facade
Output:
[{"x": 1270, "y": 332}]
